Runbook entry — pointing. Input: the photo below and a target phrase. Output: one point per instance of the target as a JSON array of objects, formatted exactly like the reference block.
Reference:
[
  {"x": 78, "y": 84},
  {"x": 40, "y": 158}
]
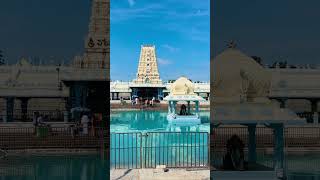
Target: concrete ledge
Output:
[
  {"x": 159, "y": 174},
  {"x": 52, "y": 151},
  {"x": 244, "y": 175}
]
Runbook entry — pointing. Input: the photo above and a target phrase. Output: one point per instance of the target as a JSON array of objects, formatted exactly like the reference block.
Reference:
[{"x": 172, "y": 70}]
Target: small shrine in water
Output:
[
  {"x": 182, "y": 93},
  {"x": 241, "y": 88}
]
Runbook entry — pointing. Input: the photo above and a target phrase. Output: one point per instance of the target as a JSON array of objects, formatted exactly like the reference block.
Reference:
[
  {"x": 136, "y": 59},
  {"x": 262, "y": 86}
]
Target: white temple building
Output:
[
  {"x": 293, "y": 88},
  {"x": 55, "y": 89}
]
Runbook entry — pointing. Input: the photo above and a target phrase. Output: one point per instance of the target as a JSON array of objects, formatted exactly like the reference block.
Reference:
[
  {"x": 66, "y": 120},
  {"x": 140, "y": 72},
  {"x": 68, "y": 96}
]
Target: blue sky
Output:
[
  {"x": 274, "y": 30},
  {"x": 180, "y": 30},
  {"x": 54, "y": 31}
]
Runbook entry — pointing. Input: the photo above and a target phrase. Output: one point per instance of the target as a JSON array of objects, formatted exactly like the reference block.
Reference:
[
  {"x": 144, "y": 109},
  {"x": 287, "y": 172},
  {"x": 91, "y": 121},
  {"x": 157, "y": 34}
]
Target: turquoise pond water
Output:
[
  {"x": 54, "y": 167},
  {"x": 133, "y": 150},
  {"x": 300, "y": 166},
  {"x": 155, "y": 121}
]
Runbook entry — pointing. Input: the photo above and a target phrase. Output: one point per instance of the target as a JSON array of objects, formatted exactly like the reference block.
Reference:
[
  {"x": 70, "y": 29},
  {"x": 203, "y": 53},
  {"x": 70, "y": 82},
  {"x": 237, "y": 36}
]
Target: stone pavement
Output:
[{"x": 159, "y": 174}]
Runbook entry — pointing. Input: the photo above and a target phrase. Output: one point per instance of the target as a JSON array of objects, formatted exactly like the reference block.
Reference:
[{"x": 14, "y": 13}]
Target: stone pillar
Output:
[
  {"x": 134, "y": 92},
  {"x": 279, "y": 150},
  {"x": 174, "y": 106},
  {"x": 282, "y": 102},
  {"x": 117, "y": 95},
  {"x": 10, "y": 109},
  {"x": 252, "y": 148},
  {"x": 65, "y": 116},
  {"x": 188, "y": 107},
  {"x": 79, "y": 94},
  {"x": 160, "y": 93},
  {"x": 24, "y": 108},
  {"x": 314, "y": 110},
  {"x": 197, "y": 106},
  {"x": 84, "y": 94},
  {"x": 67, "y": 112}
]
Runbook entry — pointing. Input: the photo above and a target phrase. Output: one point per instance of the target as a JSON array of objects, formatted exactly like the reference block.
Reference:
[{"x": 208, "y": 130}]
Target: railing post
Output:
[
  {"x": 208, "y": 146},
  {"x": 141, "y": 163}
]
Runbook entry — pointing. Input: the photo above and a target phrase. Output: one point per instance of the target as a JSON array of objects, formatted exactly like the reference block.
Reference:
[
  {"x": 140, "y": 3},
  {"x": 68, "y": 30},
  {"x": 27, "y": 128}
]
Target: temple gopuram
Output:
[{"x": 147, "y": 84}]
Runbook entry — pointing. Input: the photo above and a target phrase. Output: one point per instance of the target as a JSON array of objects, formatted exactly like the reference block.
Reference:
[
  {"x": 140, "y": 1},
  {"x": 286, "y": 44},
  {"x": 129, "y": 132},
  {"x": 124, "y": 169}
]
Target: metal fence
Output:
[
  {"x": 12, "y": 138},
  {"x": 220, "y": 136},
  {"x": 147, "y": 150},
  {"x": 297, "y": 138},
  {"x": 126, "y": 150}
]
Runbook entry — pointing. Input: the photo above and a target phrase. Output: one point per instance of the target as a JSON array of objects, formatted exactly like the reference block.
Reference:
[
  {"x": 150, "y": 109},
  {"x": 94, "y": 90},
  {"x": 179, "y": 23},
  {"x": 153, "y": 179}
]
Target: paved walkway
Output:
[
  {"x": 243, "y": 175},
  {"x": 159, "y": 174}
]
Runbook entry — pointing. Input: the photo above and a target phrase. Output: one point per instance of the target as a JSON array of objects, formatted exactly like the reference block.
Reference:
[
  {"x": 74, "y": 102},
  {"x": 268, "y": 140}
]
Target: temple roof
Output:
[
  {"x": 254, "y": 114},
  {"x": 241, "y": 89},
  {"x": 183, "y": 90},
  {"x": 182, "y": 86},
  {"x": 235, "y": 74}
]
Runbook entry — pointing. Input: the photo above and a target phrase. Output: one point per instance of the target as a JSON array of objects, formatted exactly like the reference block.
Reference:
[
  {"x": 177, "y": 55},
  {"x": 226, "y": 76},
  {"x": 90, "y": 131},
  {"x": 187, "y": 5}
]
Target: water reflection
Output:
[{"x": 50, "y": 167}]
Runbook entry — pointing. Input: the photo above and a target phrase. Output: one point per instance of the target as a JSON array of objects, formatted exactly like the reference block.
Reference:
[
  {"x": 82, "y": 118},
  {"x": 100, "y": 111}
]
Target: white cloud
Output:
[
  {"x": 131, "y": 2},
  {"x": 170, "y": 48},
  {"x": 124, "y": 14},
  {"x": 162, "y": 61},
  {"x": 193, "y": 18}
]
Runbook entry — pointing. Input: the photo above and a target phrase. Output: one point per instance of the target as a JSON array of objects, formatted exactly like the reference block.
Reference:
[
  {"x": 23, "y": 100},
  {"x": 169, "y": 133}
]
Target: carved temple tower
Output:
[
  {"x": 148, "y": 68},
  {"x": 97, "y": 44}
]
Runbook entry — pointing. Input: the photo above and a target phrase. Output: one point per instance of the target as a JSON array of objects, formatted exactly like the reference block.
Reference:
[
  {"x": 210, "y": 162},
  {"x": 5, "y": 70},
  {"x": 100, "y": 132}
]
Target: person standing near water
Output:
[
  {"x": 84, "y": 122},
  {"x": 35, "y": 121}
]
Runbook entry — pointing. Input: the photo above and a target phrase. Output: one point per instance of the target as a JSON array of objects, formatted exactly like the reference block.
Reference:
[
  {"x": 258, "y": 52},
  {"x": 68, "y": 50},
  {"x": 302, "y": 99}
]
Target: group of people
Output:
[{"x": 147, "y": 102}]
